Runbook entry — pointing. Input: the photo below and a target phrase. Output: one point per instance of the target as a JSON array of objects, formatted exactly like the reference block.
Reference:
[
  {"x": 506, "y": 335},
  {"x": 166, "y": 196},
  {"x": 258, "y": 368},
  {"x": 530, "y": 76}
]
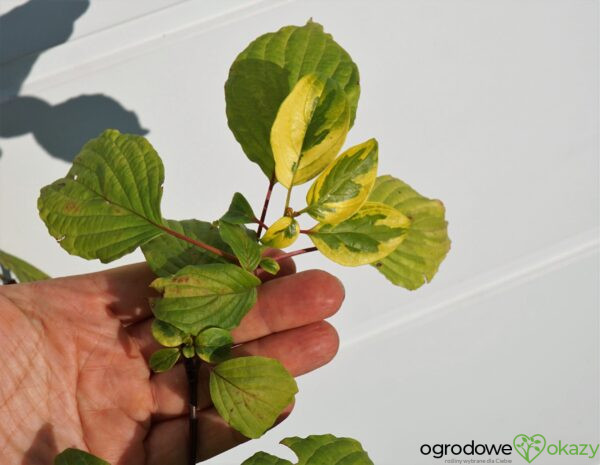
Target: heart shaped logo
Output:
[{"x": 529, "y": 447}]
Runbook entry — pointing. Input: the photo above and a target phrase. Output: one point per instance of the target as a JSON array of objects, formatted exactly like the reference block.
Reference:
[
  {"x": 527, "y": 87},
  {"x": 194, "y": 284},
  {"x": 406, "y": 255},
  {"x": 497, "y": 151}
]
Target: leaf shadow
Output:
[
  {"x": 26, "y": 32},
  {"x": 42, "y": 447}
]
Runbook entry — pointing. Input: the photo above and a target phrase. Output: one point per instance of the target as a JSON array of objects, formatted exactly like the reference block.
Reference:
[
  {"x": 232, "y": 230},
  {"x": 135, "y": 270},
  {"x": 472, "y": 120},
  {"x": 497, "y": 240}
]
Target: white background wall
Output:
[{"x": 491, "y": 106}]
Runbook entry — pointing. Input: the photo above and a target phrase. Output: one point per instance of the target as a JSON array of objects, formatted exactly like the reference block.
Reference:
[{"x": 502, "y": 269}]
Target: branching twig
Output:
[{"x": 263, "y": 215}]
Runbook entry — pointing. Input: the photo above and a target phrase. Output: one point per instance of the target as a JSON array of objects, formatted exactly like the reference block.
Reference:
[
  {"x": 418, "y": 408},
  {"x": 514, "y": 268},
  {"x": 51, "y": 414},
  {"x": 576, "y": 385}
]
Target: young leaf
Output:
[
  {"x": 240, "y": 211},
  {"x": 416, "y": 260},
  {"x": 262, "y": 76},
  {"x": 345, "y": 185},
  {"x": 370, "y": 234},
  {"x": 309, "y": 130},
  {"x": 282, "y": 233},
  {"x": 198, "y": 297},
  {"x": 167, "y": 254},
  {"x": 109, "y": 202},
  {"x": 78, "y": 457},
  {"x": 24, "y": 272},
  {"x": 270, "y": 265},
  {"x": 213, "y": 345},
  {"x": 251, "y": 392},
  {"x": 323, "y": 449},
  {"x": 166, "y": 334},
  {"x": 188, "y": 351},
  {"x": 245, "y": 248},
  {"x": 164, "y": 359}
]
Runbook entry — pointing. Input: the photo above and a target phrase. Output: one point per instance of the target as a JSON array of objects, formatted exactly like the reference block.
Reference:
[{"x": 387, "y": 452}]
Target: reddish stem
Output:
[
  {"x": 263, "y": 215},
  {"x": 261, "y": 223},
  {"x": 294, "y": 253},
  {"x": 200, "y": 244}
]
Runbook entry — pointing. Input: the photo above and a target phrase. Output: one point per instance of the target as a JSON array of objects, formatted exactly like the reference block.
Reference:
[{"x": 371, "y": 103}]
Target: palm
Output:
[{"x": 79, "y": 374}]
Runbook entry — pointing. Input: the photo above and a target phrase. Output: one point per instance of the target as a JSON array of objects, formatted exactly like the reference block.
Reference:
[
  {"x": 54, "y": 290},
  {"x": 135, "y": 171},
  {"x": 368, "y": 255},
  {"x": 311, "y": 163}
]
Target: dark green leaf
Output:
[
  {"x": 244, "y": 247},
  {"x": 21, "y": 269},
  {"x": 78, "y": 457},
  {"x": 198, "y": 297},
  {"x": 164, "y": 359},
  {"x": 270, "y": 265},
  {"x": 262, "y": 76},
  {"x": 416, "y": 260},
  {"x": 240, "y": 211},
  {"x": 251, "y": 392},
  {"x": 167, "y": 254},
  {"x": 213, "y": 345}
]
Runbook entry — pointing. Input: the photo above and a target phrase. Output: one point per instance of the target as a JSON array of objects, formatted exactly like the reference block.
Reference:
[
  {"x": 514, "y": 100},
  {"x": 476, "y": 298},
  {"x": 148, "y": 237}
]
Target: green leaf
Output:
[
  {"x": 78, "y": 457},
  {"x": 244, "y": 247},
  {"x": 167, "y": 254},
  {"x": 198, "y": 297},
  {"x": 251, "y": 392},
  {"x": 309, "y": 130},
  {"x": 345, "y": 185},
  {"x": 164, "y": 359},
  {"x": 166, "y": 334},
  {"x": 270, "y": 265},
  {"x": 24, "y": 272},
  {"x": 188, "y": 351},
  {"x": 109, "y": 202},
  {"x": 370, "y": 234},
  {"x": 282, "y": 233},
  {"x": 418, "y": 257},
  {"x": 262, "y": 458},
  {"x": 240, "y": 211},
  {"x": 263, "y": 75},
  {"x": 327, "y": 449},
  {"x": 323, "y": 449},
  {"x": 213, "y": 345}
]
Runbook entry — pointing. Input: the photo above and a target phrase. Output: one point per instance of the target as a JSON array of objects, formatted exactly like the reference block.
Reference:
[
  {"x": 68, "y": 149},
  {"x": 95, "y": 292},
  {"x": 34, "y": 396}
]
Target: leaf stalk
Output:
[
  {"x": 202, "y": 245},
  {"x": 294, "y": 253},
  {"x": 263, "y": 215}
]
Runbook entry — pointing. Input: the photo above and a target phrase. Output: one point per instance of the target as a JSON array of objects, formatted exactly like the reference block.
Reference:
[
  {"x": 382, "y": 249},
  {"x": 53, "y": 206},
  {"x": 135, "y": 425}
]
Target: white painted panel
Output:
[
  {"x": 502, "y": 128},
  {"x": 522, "y": 359},
  {"x": 491, "y": 106}
]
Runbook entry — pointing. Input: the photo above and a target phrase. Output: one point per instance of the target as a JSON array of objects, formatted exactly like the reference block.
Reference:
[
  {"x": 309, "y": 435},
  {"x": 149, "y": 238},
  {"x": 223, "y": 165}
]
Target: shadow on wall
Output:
[{"x": 25, "y": 33}]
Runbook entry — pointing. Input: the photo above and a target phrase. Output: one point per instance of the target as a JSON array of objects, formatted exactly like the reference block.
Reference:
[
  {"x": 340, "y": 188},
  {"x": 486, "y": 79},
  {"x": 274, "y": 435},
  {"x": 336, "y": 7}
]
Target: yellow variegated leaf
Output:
[
  {"x": 344, "y": 186},
  {"x": 370, "y": 234},
  {"x": 309, "y": 130},
  {"x": 282, "y": 233}
]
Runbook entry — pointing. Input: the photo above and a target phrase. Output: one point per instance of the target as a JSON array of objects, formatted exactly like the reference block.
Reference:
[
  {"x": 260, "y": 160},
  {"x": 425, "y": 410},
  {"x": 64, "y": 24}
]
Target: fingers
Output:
[
  {"x": 284, "y": 303},
  {"x": 300, "y": 350},
  {"x": 167, "y": 442},
  {"x": 291, "y": 302}
]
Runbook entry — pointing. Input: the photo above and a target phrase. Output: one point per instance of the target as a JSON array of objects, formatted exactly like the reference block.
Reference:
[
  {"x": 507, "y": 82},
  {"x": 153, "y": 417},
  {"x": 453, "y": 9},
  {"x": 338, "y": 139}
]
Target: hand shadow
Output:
[{"x": 25, "y": 33}]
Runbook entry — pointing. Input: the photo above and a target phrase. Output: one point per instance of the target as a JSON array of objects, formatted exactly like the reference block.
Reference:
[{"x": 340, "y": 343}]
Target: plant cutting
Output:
[{"x": 291, "y": 99}]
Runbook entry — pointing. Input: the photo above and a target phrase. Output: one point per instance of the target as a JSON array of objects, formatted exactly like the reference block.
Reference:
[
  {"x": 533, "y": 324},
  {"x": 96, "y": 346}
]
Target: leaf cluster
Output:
[{"x": 291, "y": 99}]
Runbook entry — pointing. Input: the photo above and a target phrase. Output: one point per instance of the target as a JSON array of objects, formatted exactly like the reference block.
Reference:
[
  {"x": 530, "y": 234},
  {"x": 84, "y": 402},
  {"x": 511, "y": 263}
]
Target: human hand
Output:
[{"x": 75, "y": 352}]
